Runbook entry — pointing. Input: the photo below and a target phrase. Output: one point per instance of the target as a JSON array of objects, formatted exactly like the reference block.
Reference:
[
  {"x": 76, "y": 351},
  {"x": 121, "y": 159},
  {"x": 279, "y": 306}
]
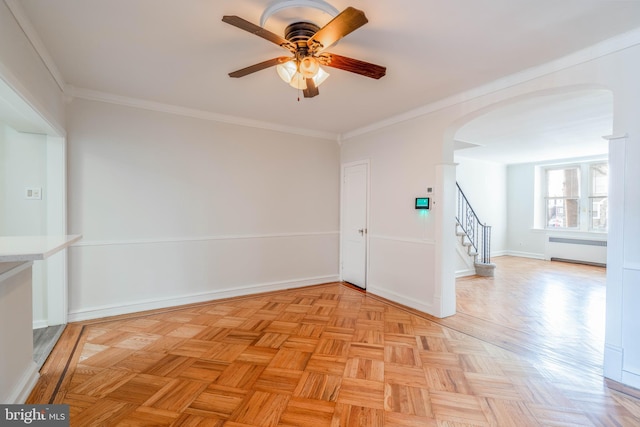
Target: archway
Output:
[{"x": 556, "y": 127}]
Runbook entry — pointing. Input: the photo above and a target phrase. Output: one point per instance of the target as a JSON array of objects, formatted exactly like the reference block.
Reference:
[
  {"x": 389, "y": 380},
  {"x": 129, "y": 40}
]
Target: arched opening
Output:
[{"x": 506, "y": 155}]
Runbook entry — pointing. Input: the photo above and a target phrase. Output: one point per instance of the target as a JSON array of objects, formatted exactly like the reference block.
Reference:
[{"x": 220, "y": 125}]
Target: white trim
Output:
[
  {"x": 631, "y": 379},
  {"x": 525, "y": 255},
  {"x": 401, "y": 299},
  {"x": 465, "y": 273},
  {"x": 613, "y": 356},
  {"x": 200, "y": 239},
  {"x": 429, "y": 242},
  {"x": 30, "y": 32},
  {"x": 24, "y": 387},
  {"x": 229, "y": 292},
  {"x": 39, "y": 324},
  {"x": 606, "y": 47},
  {"x": 94, "y": 95}
]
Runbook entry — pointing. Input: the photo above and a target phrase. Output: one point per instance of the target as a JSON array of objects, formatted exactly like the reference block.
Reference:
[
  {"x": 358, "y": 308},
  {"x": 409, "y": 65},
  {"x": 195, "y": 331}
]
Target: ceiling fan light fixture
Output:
[
  {"x": 309, "y": 67},
  {"x": 289, "y": 73},
  {"x": 320, "y": 76},
  {"x": 287, "y": 70}
]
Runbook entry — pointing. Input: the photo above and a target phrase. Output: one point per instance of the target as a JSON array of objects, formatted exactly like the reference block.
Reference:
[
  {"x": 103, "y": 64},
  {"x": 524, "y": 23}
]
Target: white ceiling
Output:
[
  {"x": 558, "y": 126},
  {"x": 178, "y": 52}
]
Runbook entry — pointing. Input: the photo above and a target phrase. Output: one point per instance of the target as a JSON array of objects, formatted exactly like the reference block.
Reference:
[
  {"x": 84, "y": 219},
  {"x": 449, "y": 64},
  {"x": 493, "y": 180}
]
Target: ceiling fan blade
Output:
[
  {"x": 261, "y": 66},
  {"x": 353, "y": 65},
  {"x": 344, "y": 23},
  {"x": 243, "y": 24},
  {"x": 311, "y": 90}
]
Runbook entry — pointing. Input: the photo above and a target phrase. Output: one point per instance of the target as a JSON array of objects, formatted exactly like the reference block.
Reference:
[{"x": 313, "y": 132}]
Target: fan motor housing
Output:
[{"x": 300, "y": 32}]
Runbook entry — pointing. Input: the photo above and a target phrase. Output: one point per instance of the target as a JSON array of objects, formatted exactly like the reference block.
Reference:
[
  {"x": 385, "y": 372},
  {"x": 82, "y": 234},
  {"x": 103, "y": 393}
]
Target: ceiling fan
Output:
[{"x": 307, "y": 42}]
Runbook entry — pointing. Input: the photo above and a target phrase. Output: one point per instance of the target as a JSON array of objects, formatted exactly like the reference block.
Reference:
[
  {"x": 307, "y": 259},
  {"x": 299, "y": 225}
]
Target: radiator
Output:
[{"x": 588, "y": 251}]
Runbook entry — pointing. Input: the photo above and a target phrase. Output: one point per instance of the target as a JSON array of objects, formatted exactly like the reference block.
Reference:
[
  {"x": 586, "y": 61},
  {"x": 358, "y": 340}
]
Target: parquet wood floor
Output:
[
  {"x": 551, "y": 312},
  {"x": 326, "y": 355}
]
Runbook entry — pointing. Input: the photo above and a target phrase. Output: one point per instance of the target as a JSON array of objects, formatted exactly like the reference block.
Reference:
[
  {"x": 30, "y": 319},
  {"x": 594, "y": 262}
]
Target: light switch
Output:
[{"x": 33, "y": 193}]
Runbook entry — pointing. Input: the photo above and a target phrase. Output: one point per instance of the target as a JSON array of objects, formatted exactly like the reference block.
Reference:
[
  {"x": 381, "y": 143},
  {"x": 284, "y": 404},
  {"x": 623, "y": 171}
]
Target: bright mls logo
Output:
[{"x": 35, "y": 415}]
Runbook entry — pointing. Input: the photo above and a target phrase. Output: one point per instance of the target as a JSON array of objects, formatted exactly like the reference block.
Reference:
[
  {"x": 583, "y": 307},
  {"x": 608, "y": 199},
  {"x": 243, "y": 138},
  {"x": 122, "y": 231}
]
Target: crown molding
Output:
[
  {"x": 606, "y": 47},
  {"x": 30, "y": 32},
  {"x": 94, "y": 95}
]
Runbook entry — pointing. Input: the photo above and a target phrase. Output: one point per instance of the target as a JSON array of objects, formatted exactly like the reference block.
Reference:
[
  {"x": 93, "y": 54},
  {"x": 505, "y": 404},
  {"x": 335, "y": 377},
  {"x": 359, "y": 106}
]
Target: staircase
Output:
[{"x": 474, "y": 235}]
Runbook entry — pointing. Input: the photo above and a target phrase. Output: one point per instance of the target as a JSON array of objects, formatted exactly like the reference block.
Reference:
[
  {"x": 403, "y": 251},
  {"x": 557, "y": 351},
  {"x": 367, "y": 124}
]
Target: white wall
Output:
[
  {"x": 401, "y": 239},
  {"x": 2, "y": 173},
  {"x": 23, "y": 163},
  {"x": 176, "y": 209},
  {"x": 485, "y": 185},
  {"x": 523, "y": 240}
]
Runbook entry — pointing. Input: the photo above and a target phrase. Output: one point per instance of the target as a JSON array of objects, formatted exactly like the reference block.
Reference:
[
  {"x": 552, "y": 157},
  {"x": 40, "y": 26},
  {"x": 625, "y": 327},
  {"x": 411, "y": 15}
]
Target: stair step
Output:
[{"x": 485, "y": 270}]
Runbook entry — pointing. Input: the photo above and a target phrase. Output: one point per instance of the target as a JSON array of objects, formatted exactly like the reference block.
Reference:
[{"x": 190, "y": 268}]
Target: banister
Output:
[{"x": 479, "y": 234}]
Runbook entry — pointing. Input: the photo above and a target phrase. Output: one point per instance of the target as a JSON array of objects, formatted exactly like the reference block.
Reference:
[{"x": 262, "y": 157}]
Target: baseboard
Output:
[
  {"x": 613, "y": 357},
  {"x": 39, "y": 324},
  {"x": 576, "y": 261},
  {"x": 464, "y": 273},
  {"x": 630, "y": 379},
  {"x": 622, "y": 388},
  {"x": 23, "y": 389},
  {"x": 400, "y": 299},
  {"x": 525, "y": 255},
  {"x": 134, "y": 307}
]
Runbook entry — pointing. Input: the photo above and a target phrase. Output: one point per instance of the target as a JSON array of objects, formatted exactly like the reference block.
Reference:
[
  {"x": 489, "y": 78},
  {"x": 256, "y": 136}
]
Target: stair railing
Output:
[{"x": 479, "y": 234}]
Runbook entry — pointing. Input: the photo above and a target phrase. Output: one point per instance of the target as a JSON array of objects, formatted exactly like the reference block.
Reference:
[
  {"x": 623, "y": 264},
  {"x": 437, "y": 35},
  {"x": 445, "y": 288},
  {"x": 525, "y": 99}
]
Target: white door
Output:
[{"x": 355, "y": 179}]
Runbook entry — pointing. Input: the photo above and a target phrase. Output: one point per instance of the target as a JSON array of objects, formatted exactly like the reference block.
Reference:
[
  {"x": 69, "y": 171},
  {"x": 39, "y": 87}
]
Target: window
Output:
[
  {"x": 563, "y": 198},
  {"x": 576, "y": 196},
  {"x": 598, "y": 200}
]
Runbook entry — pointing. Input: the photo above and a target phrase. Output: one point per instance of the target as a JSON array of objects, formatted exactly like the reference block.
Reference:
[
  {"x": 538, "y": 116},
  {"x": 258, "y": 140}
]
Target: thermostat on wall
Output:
[{"x": 422, "y": 203}]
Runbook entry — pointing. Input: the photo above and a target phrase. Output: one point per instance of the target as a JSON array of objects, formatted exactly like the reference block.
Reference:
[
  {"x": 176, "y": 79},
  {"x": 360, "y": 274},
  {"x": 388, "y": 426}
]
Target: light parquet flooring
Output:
[
  {"x": 553, "y": 313},
  {"x": 326, "y": 355}
]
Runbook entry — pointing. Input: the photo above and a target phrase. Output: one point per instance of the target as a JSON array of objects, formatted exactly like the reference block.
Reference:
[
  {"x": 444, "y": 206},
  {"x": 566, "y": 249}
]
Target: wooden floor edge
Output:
[
  {"x": 162, "y": 310},
  {"x": 622, "y": 388},
  {"x": 54, "y": 371}
]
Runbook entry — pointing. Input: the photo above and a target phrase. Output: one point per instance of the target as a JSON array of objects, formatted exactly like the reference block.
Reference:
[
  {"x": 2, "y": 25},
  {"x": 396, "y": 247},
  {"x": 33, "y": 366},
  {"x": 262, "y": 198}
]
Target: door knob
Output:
[{"x": 362, "y": 231}]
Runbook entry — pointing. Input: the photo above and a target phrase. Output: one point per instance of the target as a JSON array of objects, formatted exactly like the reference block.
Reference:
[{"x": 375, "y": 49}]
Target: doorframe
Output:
[{"x": 343, "y": 166}]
